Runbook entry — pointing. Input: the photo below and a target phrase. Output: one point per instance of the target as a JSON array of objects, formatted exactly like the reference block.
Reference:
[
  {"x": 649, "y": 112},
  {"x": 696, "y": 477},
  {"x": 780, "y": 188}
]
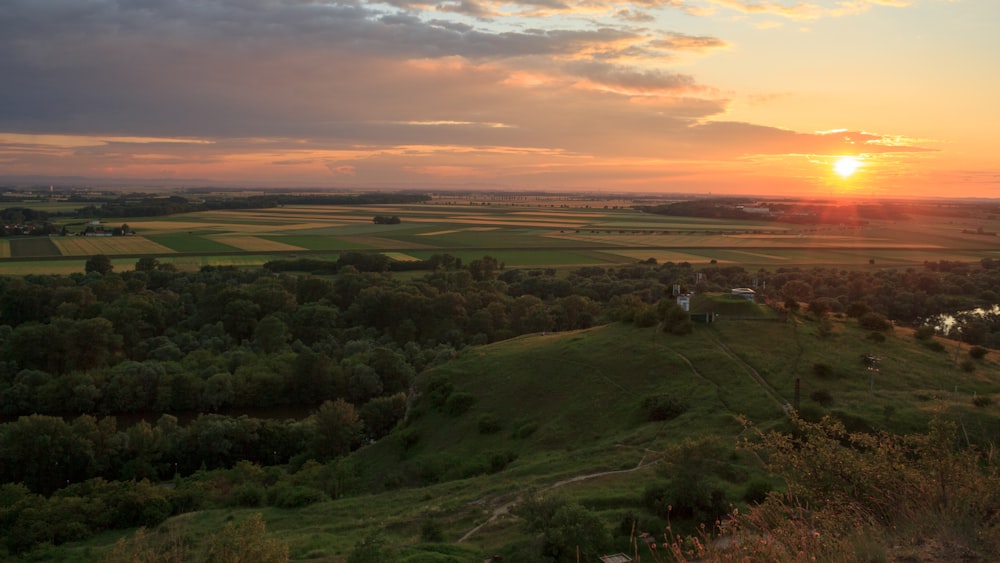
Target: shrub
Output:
[
  {"x": 982, "y": 401},
  {"x": 978, "y": 352},
  {"x": 663, "y": 407},
  {"x": 247, "y": 494},
  {"x": 934, "y": 345},
  {"x": 756, "y": 491},
  {"x": 526, "y": 429},
  {"x": 489, "y": 423},
  {"x": 438, "y": 391},
  {"x": 876, "y": 337},
  {"x": 968, "y": 366},
  {"x": 292, "y": 496},
  {"x": 924, "y": 333},
  {"x": 430, "y": 531},
  {"x": 874, "y": 321},
  {"x": 408, "y": 437},
  {"x": 823, "y": 371},
  {"x": 459, "y": 403},
  {"x": 822, "y": 397}
]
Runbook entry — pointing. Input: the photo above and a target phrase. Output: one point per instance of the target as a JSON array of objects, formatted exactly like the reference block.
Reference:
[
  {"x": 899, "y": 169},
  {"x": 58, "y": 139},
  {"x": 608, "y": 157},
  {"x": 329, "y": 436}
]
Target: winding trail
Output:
[{"x": 504, "y": 509}]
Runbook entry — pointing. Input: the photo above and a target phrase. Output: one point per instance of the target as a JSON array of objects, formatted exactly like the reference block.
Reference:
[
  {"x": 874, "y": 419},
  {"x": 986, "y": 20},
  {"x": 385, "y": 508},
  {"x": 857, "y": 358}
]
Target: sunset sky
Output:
[{"x": 695, "y": 96}]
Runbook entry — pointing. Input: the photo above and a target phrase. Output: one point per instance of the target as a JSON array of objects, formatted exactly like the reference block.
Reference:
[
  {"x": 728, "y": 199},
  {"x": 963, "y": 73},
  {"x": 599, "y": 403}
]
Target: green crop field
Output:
[{"x": 191, "y": 243}]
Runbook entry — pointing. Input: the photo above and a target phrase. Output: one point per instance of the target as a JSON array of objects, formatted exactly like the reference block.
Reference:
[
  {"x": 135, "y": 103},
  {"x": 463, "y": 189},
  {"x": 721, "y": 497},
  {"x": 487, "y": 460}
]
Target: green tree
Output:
[
  {"x": 336, "y": 430},
  {"x": 99, "y": 263}
]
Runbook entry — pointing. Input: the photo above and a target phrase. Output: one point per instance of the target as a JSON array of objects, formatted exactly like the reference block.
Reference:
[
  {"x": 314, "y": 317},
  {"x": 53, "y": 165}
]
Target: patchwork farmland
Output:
[{"x": 522, "y": 233}]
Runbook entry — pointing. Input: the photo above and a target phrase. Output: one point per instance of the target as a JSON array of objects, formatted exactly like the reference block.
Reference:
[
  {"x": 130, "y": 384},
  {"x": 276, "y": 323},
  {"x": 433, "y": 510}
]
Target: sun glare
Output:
[{"x": 846, "y": 166}]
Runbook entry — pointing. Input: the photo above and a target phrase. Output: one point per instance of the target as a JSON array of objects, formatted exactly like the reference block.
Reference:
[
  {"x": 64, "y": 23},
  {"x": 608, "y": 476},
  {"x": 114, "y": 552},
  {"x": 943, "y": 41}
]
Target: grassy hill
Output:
[{"x": 570, "y": 415}]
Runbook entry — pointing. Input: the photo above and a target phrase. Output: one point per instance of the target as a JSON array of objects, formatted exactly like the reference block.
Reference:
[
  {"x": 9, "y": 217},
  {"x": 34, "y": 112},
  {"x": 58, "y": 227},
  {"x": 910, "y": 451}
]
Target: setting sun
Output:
[{"x": 846, "y": 166}]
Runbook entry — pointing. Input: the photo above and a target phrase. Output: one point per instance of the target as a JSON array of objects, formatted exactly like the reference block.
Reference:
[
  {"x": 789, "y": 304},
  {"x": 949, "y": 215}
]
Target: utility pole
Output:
[{"x": 871, "y": 362}]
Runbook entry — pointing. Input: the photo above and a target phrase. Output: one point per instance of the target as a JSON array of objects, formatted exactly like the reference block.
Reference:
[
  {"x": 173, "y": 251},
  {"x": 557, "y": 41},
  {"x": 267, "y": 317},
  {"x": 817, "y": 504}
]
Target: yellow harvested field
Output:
[
  {"x": 88, "y": 246},
  {"x": 379, "y": 242},
  {"x": 254, "y": 244},
  {"x": 4, "y": 249},
  {"x": 448, "y": 232},
  {"x": 400, "y": 257},
  {"x": 436, "y": 233}
]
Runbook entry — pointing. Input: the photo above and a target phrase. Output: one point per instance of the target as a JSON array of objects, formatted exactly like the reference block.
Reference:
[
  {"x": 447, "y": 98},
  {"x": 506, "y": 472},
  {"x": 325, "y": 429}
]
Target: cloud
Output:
[
  {"x": 681, "y": 42},
  {"x": 803, "y": 10}
]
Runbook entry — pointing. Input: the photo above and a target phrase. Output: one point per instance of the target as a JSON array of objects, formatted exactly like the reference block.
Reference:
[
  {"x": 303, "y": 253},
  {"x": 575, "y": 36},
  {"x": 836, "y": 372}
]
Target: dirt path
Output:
[
  {"x": 753, "y": 373},
  {"x": 505, "y": 508}
]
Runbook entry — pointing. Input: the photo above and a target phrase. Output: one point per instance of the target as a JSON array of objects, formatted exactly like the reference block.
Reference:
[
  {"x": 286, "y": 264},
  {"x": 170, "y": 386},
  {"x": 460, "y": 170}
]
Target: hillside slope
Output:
[{"x": 604, "y": 416}]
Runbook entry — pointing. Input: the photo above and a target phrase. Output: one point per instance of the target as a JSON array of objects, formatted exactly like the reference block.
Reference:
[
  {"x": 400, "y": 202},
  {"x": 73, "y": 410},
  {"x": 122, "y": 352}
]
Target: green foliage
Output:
[
  {"x": 874, "y": 321},
  {"x": 673, "y": 317},
  {"x": 756, "y": 491},
  {"x": 870, "y": 485},
  {"x": 430, "y": 531},
  {"x": 459, "y": 403},
  {"x": 489, "y": 423},
  {"x": 982, "y": 401},
  {"x": 934, "y": 345},
  {"x": 566, "y": 529},
  {"x": 924, "y": 332},
  {"x": 248, "y": 494},
  {"x": 99, "y": 263},
  {"x": 370, "y": 549},
  {"x": 285, "y": 495},
  {"x": 336, "y": 429},
  {"x": 823, "y": 371},
  {"x": 663, "y": 407},
  {"x": 245, "y": 542},
  {"x": 978, "y": 352},
  {"x": 525, "y": 430},
  {"x": 822, "y": 396},
  {"x": 876, "y": 337}
]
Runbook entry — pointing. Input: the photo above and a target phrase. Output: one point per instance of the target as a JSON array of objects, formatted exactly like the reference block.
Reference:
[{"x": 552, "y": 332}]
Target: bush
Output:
[
  {"x": 291, "y": 496},
  {"x": 982, "y": 401},
  {"x": 822, "y": 397},
  {"x": 978, "y": 352},
  {"x": 924, "y": 333},
  {"x": 439, "y": 390},
  {"x": 823, "y": 371},
  {"x": 459, "y": 403},
  {"x": 489, "y": 423},
  {"x": 247, "y": 494},
  {"x": 525, "y": 430},
  {"x": 934, "y": 345},
  {"x": 876, "y": 337},
  {"x": 663, "y": 407},
  {"x": 968, "y": 366},
  {"x": 430, "y": 531},
  {"x": 874, "y": 321},
  {"x": 756, "y": 491}
]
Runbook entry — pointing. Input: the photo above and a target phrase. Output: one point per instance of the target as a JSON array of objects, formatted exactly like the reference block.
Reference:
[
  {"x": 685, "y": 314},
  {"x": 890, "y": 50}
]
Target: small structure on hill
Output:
[
  {"x": 745, "y": 293},
  {"x": 684, "y": 300},
  {"x": 616, "y": 558}
]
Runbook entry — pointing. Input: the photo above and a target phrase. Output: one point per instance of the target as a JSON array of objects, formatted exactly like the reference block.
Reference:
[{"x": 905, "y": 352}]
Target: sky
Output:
[{"x": 872, "y": 98}]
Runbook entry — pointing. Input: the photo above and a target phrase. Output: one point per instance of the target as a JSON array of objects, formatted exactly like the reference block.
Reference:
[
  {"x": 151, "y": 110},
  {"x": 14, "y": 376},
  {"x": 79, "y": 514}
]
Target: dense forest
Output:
[{"x": 340, "y": 347}]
